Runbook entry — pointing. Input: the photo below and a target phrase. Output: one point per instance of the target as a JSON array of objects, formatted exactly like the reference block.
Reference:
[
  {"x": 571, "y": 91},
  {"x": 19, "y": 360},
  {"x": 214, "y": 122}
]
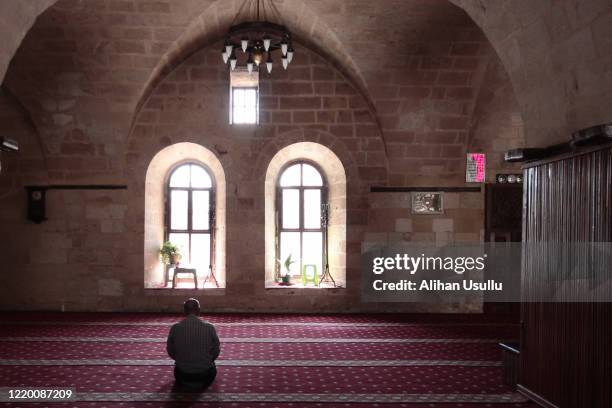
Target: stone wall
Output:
[
  {"x": 558, "y": 56},
  {"x": 496, "y": 125},
  {"x": 17, "y": 19},
  {"x": 77, "y": 260},
  {"x": 89, "y": 255},
  {"x": 310, "y": 102},
  {"x": 391, "y": 219},
  {"x": 413, "y": 129},
  {"x": 556, "y": 53}
]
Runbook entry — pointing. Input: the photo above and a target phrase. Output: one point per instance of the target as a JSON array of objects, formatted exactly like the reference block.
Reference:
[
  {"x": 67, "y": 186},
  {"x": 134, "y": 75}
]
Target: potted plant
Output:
[
  {"x": 286, "y": 278},
  {"x": 170, "y": 253}
]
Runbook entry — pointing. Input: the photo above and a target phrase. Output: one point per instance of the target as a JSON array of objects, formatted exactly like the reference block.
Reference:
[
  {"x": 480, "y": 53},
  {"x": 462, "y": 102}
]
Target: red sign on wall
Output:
[{"x": 475, "y": 168}]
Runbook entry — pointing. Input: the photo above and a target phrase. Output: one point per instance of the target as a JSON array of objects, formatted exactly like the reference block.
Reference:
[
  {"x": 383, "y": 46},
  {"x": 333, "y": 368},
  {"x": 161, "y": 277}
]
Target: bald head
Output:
[{"x": 191, "y": 306}]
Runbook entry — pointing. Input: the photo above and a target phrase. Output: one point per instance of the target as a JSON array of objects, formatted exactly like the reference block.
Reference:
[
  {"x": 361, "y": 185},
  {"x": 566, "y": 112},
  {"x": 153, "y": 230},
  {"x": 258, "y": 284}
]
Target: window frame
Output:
[
  {"x": 211, "y": 210},
  {"x": 301, "y": 228},
  {"x": 231, "y": 105}
]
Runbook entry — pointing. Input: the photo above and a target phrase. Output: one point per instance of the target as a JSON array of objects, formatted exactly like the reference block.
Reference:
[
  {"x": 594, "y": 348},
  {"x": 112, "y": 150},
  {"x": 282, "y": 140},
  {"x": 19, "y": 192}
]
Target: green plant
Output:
[
  {"x": 170, "y": 253},
  {"x": 288, "y": 262}
]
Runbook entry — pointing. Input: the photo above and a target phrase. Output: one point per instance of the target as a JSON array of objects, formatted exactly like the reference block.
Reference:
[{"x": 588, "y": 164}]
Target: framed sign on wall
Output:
[
  {"x": 475, "y": 168},
  {"x": 424, "y": 202}
]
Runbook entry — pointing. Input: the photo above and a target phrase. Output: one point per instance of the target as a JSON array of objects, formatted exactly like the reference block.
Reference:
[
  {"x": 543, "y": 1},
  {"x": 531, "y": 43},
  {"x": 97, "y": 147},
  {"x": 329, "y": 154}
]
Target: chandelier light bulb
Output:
[
  {"x": 285, "y": 62},
  {"x": 233, "y": 60},
  {"x": 224, "y": 55},
  {"x": 266, "y": 41},
  {"x": 257, "y": 57},
  {"x": 269, "y": 63},
  {"x": 250, "y": 63},
  {"x": 244, "y": 43},
  {"x": 290, "y": 54},
  {"x": 284, "y": 47},
  {"x": 228, "y": 49}
]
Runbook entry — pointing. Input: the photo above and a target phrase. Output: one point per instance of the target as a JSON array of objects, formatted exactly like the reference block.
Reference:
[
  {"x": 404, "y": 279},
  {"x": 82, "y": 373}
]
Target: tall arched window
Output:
[
  {"x": 300, "y": 233},
  {"x": 190, "y": 222},
  {"x": 159, "y": 182}
]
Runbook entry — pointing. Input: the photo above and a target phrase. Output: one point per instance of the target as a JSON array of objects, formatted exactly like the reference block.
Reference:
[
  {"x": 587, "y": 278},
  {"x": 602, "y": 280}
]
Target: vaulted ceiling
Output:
[{"x": 106, "y": 56}]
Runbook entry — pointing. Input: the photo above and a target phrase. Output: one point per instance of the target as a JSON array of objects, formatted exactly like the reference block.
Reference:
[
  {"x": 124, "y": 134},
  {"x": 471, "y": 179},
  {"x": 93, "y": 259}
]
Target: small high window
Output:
[{"x": 244, "y": 97}]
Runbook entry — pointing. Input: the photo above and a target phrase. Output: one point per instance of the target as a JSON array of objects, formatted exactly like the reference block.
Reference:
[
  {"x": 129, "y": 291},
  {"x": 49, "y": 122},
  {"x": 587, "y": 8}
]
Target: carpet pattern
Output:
[
  {"x": 266, "y": 360},
  {"x": 256, "y": 351},
  {"x": 330, "y": 332},
  {"x": 259, "y": 363}
]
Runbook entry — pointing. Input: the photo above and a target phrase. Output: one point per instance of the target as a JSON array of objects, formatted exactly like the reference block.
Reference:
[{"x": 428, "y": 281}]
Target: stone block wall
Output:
[
  {"x": 95, "y": 259},
  {"x": 557, "y": 55},
  {"x": 391, "y": 220},
  {"x": 496, "y": 124},
  {"x": 78, "y": 259}
]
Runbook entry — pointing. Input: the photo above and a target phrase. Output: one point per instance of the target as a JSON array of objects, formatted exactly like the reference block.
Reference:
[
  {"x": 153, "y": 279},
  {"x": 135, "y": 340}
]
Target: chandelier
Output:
[{"x": 255, "y": 42}]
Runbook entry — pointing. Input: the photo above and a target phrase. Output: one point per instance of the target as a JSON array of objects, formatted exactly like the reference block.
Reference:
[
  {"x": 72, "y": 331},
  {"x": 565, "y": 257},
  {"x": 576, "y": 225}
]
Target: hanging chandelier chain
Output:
[
  {"x": 276, "y": 12},
  {"x": 265, "y": 12},
  {"x": 239, "y": 12},
  {"x": 262, "y": 13}
]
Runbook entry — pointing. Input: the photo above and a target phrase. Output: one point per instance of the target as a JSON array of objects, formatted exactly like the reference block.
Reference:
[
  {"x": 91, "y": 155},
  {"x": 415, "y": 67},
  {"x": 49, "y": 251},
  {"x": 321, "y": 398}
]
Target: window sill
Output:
[
  {"x": 214, "y": 291},
  {"x": 324, "y": 286},
  {"x": 182, "y": 283}
]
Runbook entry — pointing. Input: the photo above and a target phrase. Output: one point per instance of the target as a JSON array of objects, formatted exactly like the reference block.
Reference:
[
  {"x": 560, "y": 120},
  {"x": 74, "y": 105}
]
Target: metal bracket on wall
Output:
[
  {"x": 383, "y": 189},
  {"x": 37, "y": 196}
]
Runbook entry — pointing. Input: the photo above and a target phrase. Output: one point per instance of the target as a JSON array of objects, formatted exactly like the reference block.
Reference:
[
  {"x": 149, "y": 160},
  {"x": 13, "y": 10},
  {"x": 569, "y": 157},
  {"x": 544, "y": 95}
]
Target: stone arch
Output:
[
  {"x": 18, "y": 18},
  {"x": 335, "y": 174},
  {"x": 567, "y": 66},
  {"x": 17, "y": 120},
  {"x": 210, "y": 26},
  {"x": 557, "y": 57},
  {"x": 156, "y": 176},
  {"x": 313, "y": 136}
]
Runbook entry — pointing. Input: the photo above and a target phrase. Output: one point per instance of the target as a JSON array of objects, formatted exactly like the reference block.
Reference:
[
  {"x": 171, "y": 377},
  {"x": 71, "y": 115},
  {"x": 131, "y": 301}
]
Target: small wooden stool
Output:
[
  {"x": 306, "y": 278},
  {"x": 185, "y": 270}
]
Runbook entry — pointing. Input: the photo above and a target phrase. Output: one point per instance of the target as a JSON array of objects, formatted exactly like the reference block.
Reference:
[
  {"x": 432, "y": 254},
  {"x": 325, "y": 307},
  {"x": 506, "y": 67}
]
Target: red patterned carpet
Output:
[{"x": 282, "y": 361}]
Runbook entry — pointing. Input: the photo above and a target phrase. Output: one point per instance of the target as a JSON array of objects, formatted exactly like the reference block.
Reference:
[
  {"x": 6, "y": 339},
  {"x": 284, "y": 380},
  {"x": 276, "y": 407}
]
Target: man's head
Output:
[{"x": 191, "y": 306}]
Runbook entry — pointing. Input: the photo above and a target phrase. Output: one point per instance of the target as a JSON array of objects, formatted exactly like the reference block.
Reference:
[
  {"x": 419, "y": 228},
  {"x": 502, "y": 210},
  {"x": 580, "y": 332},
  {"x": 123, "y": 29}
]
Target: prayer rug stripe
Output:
[
  {"x": 259, "y": 363},
  {"x": 299, "y": 397},
  {"x": 252, "y": 340},
  {"x": 257, "y": 351},
  {"x": 256, "y": 324},
  {"x": 252, "y": 379},
  {"x": 453, "y": 318},
  {"x": 265, "y": 332}
]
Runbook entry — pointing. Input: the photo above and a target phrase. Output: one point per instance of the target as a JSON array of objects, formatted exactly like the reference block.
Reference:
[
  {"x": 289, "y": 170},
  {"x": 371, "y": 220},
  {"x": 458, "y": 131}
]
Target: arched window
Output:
[
  {"x": 301, "y": 191},
  {"x": 194, "y": 170},
  {"x": 190, "y": 221}
]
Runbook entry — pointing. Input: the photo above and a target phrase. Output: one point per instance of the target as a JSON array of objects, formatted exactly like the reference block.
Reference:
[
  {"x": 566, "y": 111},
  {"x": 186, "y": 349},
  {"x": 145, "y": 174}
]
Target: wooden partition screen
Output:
[{"x": 566, "y": 348}]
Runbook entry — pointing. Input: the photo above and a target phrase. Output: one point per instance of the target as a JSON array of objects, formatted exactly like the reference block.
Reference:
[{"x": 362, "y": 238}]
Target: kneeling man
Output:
[{"x": 194, "y": 346}]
